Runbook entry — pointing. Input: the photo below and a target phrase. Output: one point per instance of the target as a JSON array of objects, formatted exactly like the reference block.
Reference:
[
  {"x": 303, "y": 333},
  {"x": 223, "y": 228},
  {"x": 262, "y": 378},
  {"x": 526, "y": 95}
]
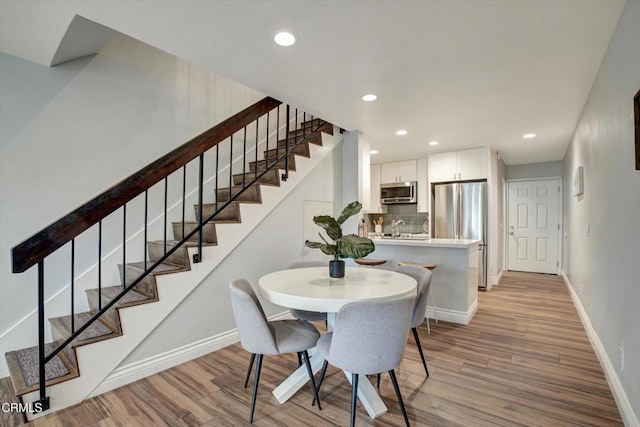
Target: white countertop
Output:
[{"x": 442, "y": 243}]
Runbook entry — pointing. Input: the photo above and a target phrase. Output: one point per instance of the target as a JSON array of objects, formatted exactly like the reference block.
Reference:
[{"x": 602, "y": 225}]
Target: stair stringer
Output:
[{"x": 96, "y": 361}]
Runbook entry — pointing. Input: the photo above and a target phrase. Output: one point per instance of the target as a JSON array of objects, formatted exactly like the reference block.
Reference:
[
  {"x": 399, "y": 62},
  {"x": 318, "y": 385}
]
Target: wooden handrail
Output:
[{"x": 43, "y": 243}]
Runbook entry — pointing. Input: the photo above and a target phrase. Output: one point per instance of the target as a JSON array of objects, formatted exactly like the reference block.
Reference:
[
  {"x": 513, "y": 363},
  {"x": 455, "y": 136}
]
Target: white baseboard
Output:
[
  {"x": 629, "y": 417},
  {"x": 453, "y": 316},
  {"x": 124, "y": 375}
]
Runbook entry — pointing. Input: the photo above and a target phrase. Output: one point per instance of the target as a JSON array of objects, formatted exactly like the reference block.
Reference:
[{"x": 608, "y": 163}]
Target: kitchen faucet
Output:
[{"x": 394, "y": 228}]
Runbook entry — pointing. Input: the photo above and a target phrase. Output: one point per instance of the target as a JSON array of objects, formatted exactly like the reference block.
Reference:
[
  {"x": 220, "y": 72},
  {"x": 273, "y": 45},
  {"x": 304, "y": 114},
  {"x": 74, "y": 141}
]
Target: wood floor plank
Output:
[{"x": 524, "y": 360}]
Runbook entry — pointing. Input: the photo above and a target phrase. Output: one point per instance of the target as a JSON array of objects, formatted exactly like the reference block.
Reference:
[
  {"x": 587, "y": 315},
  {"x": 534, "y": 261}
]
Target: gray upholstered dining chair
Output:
[
  {"x": 304, "y": 314},
  {"x": 423, "y": 277},
  {"x": 368, "y": 338},
  {"x": 259, "y": 336}
]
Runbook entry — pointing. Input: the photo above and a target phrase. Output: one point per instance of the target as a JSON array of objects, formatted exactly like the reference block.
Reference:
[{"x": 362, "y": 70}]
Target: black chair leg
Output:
[
  {"x": 255, "y": 387},
  {"x": 313, "y": 381},
  {"x": 417, "y": 338},
  {"x": 246, "y": 379},
  {"x": 324, "y": 371},
  {"x": 299, "y": 360},
  {"x": 354, "y": 398},
  {"x": 394, "y": 380},
  {"x": 378, "y": 382}
]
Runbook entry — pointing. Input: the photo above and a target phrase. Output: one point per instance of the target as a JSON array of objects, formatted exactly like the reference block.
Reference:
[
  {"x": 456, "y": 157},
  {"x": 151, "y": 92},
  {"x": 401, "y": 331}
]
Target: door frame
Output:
[{"x": 505, "y": 231}]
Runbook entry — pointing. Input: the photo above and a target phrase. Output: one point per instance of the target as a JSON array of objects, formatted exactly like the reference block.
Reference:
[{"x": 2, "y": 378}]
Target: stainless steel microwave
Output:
[{"x": 398, "y": 192}]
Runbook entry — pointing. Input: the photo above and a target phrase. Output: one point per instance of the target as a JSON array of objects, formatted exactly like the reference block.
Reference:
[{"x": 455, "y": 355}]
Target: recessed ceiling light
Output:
[
  {"x": 284, "y": 39},
  {"x": 373, "y": 152},
  {"x": 433, "y": 142},
  {"x": 401, "y": 132},
  {"x": 529, "y": 135},
  {"x": 369, "y": 97}
]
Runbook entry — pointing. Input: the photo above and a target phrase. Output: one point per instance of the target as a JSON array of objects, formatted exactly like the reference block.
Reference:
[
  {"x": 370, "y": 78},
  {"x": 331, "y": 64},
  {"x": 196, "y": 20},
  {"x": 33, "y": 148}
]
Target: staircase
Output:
[{"x": 91, "y": 344}]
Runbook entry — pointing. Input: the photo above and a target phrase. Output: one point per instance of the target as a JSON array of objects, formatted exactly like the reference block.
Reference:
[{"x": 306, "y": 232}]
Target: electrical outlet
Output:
[{"x": 621, "y": 359}]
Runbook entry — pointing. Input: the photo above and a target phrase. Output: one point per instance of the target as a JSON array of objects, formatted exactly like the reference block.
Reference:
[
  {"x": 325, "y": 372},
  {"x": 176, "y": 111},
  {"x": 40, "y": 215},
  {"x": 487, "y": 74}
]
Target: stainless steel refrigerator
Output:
[{"x": 460, "y": 212}]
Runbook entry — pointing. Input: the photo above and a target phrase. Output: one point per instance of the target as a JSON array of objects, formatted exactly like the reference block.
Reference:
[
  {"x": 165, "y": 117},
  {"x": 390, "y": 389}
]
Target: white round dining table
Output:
[{"x": 312, "y": 289}]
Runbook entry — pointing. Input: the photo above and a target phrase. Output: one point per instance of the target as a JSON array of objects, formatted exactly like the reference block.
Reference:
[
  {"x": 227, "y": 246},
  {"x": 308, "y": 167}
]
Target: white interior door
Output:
[{"x": 534, "y": 226}]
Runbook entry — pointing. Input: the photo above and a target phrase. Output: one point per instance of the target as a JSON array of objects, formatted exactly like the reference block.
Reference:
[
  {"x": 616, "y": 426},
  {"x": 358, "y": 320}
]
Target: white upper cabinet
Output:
[
  {"x": 399, "y": 171},
  {"x": 423, "y": 186},
  {"x": 375, "y": 182},
  {"x": 458, "y": 165}
]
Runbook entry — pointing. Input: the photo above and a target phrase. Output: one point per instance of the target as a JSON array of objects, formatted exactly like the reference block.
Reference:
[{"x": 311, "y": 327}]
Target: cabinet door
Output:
[
  {"x": 423, "y": 186},
  {"x": 389, "y": 172},
  {"x": 407, "y": 171},
  {"x": 472, "y": 164},
  {"x": 443, "y": 167}
]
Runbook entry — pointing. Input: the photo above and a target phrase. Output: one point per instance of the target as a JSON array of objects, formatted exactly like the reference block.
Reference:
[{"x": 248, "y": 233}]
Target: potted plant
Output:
[{"x": 349, "y": 246}]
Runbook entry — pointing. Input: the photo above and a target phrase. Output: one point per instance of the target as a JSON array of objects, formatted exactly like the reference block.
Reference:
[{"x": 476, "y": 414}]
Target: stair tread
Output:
[
  {"x": 26, "y": 361},
  {"x": 110, "y": 292},
  {"x": 163, "y": 268},
  {"x": 96, "y": 330},
  {"x": 188, "y": 244}
]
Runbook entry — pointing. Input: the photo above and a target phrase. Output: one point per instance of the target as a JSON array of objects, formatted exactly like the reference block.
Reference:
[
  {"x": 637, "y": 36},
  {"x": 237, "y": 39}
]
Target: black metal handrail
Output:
[{"x": 35, "y": 249}]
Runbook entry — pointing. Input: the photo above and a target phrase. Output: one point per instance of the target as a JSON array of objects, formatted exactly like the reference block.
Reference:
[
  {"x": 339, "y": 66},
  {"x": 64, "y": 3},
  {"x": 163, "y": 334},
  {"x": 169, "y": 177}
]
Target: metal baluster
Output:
[
  {"x": 285, "y": 175},
  {"x": 124, "y": 245},
  {"x": 278, "y": 132},
  {"x": 146, "y": 218},
  {"x": 44, "y": 400},
  {"x": 230, "y": 166},
  {"x": 184, "y": 196},
  {"x": 266, "y": 163},
  {"x": 73, "y": 258},
  {"x": 217, "y": 167},
  {"x": 256, "y": 169},
  {"x": 100, "y": 265},
  {"x": 198, "y": 257},
  {"x": 244, "y": 159},
  {"x": 166, "y": 191}
]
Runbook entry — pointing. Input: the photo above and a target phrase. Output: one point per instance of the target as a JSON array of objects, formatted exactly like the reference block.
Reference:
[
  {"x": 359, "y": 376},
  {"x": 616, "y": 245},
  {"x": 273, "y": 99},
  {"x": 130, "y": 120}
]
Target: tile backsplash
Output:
[{"x": 414, "y": 222}]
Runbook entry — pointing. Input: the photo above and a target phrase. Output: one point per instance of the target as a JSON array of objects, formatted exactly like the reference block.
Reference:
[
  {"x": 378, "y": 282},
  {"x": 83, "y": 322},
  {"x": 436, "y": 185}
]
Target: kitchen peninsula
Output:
[{"x": 455, "y": 280}]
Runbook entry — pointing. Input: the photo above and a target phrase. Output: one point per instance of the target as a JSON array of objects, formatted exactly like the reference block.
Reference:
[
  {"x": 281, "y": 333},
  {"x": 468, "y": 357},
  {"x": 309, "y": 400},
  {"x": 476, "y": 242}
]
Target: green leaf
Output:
[
  {"x": 352, "y": 246},
  {"x": 350, "y": 210},
  {"x": 331, "y": 250},
  {"x": 330, "y": 225}
]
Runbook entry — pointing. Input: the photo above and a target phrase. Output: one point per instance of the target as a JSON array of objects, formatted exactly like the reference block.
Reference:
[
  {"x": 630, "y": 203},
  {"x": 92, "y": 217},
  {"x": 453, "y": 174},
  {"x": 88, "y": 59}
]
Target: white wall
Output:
[
  {"x": 70, "y": 132},
  {"x": 535, "y": 170},
  {"x": 603, "y": 265},
  {"x": 495, "y": 240},
  {"x": 275, "y": 243}
]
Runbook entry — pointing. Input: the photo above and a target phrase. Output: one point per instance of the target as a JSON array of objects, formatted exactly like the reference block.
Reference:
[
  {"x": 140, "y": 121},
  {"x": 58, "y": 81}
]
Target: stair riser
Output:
[
  {"x": 208, "y": 232},
  {"x": 261, "y": 165},
  {"x": 179, "y": 257},
  {"x": 302, "y": 132},
  {"x": 110, "y": 316},
  {"x": 315, "y": 138},
  {"x": 229, "y": 214},
  {"x": 147, "y": 286},
  {"x": 300, "y": 150},
  {"x": 251, "y": 194},
  {"x": 272, "y": 177},
  {"x": 59, "y": 336}
]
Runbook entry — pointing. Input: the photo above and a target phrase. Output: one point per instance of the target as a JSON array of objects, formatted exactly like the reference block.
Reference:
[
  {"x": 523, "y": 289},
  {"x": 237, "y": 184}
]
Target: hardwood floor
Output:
[{"x": 524, "y": 360}]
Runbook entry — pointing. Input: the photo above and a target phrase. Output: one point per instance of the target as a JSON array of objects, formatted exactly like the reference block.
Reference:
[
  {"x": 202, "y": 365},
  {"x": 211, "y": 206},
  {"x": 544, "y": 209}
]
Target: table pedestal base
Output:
[{"x": 366, "y": 392}]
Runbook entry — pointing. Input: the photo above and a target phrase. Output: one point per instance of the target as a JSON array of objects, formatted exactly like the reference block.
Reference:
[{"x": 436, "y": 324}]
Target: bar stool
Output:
[
  {"x": 366, "y": 262},
  {"x": 433, "y": 297}
]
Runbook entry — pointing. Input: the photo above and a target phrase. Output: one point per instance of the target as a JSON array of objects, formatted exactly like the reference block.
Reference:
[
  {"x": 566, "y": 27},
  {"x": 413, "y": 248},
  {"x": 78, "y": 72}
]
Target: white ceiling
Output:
[{"x": 463, "y": 72}]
